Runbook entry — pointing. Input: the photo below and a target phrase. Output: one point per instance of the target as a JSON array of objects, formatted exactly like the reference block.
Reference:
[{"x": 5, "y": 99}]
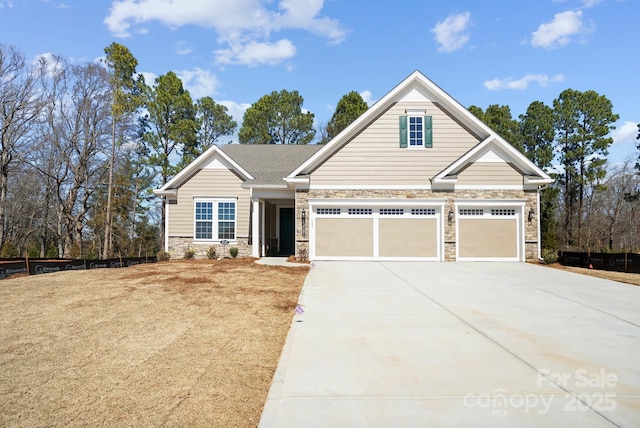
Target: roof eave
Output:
[{"x": 165, "y": 192}]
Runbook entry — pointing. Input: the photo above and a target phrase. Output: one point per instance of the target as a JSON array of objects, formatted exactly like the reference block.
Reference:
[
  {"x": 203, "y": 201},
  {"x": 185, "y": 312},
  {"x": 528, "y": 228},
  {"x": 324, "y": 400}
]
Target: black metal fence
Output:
[
  {"x": 16, "y": 266},
  {"x": 620, "y": 262}
]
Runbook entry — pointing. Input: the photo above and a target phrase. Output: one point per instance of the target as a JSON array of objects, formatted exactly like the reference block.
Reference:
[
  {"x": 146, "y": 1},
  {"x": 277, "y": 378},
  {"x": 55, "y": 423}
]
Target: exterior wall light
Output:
[
  {"x": 450, "y": 216},
  {"x": 303, "y": 216},
  {"x": 532, "y": 215}
]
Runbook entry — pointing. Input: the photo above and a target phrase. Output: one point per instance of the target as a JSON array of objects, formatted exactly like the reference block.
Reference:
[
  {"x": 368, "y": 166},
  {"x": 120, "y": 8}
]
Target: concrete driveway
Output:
[{"x": 394, "y": 344}]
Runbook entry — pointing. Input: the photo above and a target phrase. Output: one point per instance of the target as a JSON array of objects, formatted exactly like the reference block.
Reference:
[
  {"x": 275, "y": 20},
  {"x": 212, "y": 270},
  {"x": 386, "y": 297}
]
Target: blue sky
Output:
[{"x": 480, "y": 52}]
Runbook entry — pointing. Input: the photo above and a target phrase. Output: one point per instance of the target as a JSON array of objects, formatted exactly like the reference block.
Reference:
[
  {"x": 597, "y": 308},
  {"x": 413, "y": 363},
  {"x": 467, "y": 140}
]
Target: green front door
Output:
[{"x": 287, "y": 232}]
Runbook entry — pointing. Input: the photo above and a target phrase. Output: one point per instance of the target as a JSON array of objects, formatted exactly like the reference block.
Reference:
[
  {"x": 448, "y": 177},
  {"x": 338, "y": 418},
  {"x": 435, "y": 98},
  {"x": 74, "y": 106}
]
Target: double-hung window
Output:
[
  {"x": 416, "y": 136},
  {"x": 215, "y": 220},
  {"x": 416, "y": 131}
]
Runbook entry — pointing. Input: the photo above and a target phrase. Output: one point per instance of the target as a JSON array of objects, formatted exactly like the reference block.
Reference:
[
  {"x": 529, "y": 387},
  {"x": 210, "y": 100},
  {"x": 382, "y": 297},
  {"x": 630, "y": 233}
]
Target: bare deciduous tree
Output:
[{"x": 19, "y": 106}]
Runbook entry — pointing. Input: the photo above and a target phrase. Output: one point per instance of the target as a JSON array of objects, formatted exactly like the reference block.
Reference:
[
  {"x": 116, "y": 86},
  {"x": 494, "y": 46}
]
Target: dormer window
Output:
[
  {"x": 416, "y": 131},
  {"x": 416, "y": 134}
]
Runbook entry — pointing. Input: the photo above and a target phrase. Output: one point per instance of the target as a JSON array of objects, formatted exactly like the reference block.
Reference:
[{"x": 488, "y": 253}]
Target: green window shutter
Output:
[
  {"x": 403, "y": 131},
  {"x": 428, "y": 132}
]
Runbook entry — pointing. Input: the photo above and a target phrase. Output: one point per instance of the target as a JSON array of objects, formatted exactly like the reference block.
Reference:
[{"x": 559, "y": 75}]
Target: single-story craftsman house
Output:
[{"x": 416, "y": 177}]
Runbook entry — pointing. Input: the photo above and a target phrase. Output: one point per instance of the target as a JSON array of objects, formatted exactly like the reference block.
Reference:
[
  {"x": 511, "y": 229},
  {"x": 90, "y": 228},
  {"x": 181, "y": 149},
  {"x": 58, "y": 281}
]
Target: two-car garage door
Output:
[
  {"x": 405, "y": 232},
  {"x": 385, "y": 233}
]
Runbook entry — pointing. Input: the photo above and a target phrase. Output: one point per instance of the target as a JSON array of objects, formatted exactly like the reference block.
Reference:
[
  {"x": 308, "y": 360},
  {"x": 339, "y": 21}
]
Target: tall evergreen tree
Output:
[
  {"x": 537, "y": 137},
  {"x": 213, "y": 122},
  {"x": 537, "y": 134},
  {"x": 169, "y": 128},
  {"x": 583, "y": 121},
  {"x": 500, "y": 120},
  {"x": 277, "y": 118},
  {"x": 127, "y": 88},
  {"x": 349, "y": 108}
]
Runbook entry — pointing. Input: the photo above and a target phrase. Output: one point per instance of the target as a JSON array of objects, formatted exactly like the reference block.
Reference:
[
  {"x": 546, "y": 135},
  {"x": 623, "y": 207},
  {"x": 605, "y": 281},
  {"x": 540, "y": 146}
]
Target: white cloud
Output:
[
  {"x": 522, "y": 83},
  {"x": 367, "y": 97},
  {"x": 254, "y": 53},
  {"x": 243, "y": 26},
  {"x": 149, "y": 78},
  {"x": 625, "y": 133},
  {"x": 183, "y": 48},
  {"x": 49, "y": 62},
  {"x": 198, "y": 82},
  {"x": 7, "y": 4},
  {"x": 590, "y": 3},
  {"x": 560, "y": 30},
  {"x": 235, "y": 110},
  {"x": 450, "y": 34}
]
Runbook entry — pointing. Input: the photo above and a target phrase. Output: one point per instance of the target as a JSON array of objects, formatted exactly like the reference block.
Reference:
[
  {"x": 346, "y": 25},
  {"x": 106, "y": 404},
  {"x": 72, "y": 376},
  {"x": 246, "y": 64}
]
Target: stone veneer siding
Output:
[
  {"x": 179, "y": 244},
  {"x": 530, "y": 228},
  {"x": 302, "y": 236}
]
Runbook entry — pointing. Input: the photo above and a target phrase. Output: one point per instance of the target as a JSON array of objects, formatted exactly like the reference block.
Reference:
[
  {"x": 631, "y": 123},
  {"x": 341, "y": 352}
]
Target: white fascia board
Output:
[
  {"x": 297, "y": 180},
  {"x": 538, "y": 180},
  {"x": 198, "y": 162},
  {"x": 169, "y": 192},
  {"x": 264, "y": 186}
]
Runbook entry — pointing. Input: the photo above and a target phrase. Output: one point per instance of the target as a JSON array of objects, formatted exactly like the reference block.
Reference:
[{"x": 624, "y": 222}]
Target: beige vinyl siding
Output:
[
  {"x": 208, "y": 183},
  {"x": 374, "y": 156},
  {"x": 498, "y": 173}
]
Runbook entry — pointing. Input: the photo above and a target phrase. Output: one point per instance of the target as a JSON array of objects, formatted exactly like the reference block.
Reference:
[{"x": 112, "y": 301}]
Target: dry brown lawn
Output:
[
  {"x": 188, "y": 343},
  {"x": 629, "y": 278}
]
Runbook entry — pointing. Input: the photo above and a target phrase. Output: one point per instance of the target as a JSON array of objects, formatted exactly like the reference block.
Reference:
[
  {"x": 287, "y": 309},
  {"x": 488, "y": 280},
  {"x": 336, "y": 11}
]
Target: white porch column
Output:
[
  {"x": 255, "y": 227},
  {"x": 262, "y": 238}
]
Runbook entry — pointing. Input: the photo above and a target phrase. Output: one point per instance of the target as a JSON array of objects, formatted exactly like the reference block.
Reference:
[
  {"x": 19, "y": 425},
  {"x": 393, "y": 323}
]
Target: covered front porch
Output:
[{"x": 273, "y": 216}]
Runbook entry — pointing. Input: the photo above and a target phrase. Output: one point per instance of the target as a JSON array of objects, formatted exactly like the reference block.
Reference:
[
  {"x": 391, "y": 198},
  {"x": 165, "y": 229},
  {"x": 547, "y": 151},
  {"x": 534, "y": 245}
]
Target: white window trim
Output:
[{"x": 214, "y": 220}]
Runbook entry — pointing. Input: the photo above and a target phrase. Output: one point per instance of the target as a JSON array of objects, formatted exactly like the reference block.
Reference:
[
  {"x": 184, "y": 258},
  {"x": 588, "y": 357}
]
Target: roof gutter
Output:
[{"x": 166, "y": 192}]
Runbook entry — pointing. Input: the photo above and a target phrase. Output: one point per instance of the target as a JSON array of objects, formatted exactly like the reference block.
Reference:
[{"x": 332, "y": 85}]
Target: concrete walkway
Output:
[
  {"x": 279, "y": 261},
  {"x": 458, "y": 344}
]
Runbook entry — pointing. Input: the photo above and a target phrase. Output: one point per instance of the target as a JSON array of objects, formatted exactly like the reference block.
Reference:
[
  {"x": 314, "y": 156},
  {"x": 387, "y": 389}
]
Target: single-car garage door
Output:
[
  {"x": 378, "y": 233},
  {"x": 489, "y": 233}
]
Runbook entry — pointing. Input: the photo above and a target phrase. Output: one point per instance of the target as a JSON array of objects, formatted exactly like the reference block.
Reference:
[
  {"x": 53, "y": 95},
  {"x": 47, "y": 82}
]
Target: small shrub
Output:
[
  {"x": 9, "y": 250},
  {"x": 233, "y": 252},
  {"x": 211, "y": 253},
  {"x": 189, "y": 254},
  {"x": 163, "y": 256},
  {"x": 549, "y": 256}
]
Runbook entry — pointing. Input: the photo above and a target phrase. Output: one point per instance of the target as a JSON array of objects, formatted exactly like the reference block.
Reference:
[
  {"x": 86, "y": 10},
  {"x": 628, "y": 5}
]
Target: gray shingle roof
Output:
[{"x": 269, "y": 163}]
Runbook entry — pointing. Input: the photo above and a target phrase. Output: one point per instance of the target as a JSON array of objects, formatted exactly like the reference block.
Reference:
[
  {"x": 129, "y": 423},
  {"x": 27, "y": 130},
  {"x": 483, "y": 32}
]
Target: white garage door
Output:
[
  {"x": 489, "y": 233},
  {"x": 375, "y": 233}
]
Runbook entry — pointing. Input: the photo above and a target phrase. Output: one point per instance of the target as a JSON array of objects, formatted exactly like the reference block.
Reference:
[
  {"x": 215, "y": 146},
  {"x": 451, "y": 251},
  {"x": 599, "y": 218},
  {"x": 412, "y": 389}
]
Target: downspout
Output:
[
  {"x": 166, "y": 223},
  {"x": 540, "y": 188}
]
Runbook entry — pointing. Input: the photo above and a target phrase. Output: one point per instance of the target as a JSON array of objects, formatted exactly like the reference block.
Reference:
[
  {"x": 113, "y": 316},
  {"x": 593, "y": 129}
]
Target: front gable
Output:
[
  {"x": 373, "y": 151},
  {"x": 211, "y": 160}
]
